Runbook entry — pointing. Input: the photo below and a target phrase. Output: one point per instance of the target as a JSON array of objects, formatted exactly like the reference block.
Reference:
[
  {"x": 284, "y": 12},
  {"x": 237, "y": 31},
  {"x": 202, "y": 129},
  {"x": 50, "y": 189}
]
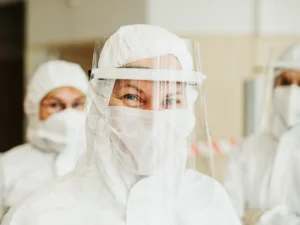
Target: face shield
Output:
[
  {"x": 146, "y": 115},
  {"x": 282, "y": 110}
]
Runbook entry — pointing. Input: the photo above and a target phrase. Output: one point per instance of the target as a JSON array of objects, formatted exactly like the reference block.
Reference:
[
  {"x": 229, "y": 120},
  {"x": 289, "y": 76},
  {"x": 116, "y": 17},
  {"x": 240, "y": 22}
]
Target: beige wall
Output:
[
  {"x": 227, "y": 63},
  {"x": 232, "y": 36},
  {"x": 57, "y": 21}
]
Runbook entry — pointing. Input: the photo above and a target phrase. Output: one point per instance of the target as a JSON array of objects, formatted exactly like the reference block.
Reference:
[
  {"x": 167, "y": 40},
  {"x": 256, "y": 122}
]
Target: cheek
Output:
[
  {"x": 115, "y": 101},
  {"x": 297, "y": 80},
  {"x": 44, "y": 114}
]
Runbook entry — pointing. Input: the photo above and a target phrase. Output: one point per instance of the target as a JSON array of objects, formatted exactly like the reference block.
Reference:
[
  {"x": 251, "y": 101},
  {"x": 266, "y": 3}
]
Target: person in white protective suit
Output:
[
  {"x": 259, "y": 173},
  {"x": 143, "y": 90},
  {"x": 54, "y": 105}
]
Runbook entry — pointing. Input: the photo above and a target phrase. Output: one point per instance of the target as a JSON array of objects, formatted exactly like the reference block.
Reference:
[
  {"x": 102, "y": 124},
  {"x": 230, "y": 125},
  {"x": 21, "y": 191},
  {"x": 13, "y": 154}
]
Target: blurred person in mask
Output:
[
  {"x": 259, "y": 172},
  {"x": 54, "y": 105},
  {"x": 143, "y": 90},
  {"x": 285, "y": 182}
]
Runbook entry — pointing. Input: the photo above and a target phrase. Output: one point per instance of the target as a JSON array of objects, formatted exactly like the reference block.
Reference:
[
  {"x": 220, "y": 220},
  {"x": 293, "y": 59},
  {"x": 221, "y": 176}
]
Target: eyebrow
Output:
[
  {"x": 61, "y": 100},
  {"x": 51, "y": 98},
  {"x": 172, "y": 94},
  {"x": 141, "y": 91},
  {"x": 82, "y": 97},
  {"x": 132, "y": 86}
]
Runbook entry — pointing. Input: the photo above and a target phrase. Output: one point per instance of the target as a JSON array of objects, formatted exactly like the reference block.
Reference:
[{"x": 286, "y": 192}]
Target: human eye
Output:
[
  {"x": 56, "y": 105},
  {"x": 131, "y": 97},
  {"x": 285, "y": 81},
  {"x": 133, "y": 100},
  {"x": 172, "y": 102},
  {"x": 78, "y": 105}
]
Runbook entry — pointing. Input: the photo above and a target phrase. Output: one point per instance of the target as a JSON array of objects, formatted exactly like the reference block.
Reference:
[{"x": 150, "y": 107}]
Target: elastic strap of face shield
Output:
[{"x": 190, "y": 77}]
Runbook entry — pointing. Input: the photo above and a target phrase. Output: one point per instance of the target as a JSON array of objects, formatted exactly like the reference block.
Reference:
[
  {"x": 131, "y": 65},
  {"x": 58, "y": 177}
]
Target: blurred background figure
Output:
[
  {"x": 54, "y": 106},
  {"x": 257, "y": 169},
  {"x": 283, "y": 201}
]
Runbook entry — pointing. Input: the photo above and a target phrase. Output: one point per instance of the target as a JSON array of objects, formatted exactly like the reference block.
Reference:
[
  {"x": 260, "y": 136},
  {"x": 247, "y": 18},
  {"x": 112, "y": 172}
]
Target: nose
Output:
[{"x": 69, "y": 106}]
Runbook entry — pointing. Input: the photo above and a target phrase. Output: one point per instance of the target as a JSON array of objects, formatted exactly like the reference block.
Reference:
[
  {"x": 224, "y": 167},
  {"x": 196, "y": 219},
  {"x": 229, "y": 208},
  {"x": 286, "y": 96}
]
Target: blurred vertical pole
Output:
[{"x": 11, "y": 73}]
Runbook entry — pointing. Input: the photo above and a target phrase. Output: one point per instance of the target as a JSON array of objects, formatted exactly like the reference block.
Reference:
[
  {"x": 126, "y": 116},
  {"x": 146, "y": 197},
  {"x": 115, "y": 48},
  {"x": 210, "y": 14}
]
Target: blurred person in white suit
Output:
[
  {"x": 54, "y": 105},
  {"x": 255, "y": 177}
]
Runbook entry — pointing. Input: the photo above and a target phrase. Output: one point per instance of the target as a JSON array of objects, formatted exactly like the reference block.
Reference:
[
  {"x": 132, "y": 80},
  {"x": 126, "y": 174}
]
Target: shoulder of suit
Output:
[
  {"x": 203, "y": 186},
  {"x": 206, "y": 198},
  {"x": 20, "y": 154},
  {"x": 58, "y": 194}
]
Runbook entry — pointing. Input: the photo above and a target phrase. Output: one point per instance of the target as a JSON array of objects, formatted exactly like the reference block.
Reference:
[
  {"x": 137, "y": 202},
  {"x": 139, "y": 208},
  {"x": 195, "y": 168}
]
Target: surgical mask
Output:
[
  {"x": 287, "y": 104},
  {"x": 59, "y": 132},
  {"x": 145, "y": 140}
]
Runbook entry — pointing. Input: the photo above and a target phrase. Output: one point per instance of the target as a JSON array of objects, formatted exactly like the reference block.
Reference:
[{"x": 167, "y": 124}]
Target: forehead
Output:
[
  {"x": 160, "y": 62},
  {"x": 149, "y": 85},
  {"x": 65, "y": 92},
  {"x": 290, "y": 74}
]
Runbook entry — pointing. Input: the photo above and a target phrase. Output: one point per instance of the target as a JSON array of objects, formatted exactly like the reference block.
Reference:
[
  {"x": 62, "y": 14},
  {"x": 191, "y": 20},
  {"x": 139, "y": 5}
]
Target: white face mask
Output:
[
  {"x": 145, "y": 140},
  {"x": 287, "y": 104},
  {"x": 59, "y": 132}
]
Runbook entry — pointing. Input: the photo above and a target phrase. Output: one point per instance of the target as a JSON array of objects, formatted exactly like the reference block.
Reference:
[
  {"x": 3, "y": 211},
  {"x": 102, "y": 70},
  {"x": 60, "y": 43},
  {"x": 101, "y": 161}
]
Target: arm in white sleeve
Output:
[
  {"x": 233, "y": 180},
  {"x": 285, "y": 185}
]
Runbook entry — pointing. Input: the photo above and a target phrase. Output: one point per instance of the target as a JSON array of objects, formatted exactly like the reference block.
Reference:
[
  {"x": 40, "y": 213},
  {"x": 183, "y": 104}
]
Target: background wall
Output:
[
  {"x": 59, "y": 21},
  {"x": 237, "y": 40},
  {"x": 279, "y": 17},
  {"x": 203, "y": 16}
]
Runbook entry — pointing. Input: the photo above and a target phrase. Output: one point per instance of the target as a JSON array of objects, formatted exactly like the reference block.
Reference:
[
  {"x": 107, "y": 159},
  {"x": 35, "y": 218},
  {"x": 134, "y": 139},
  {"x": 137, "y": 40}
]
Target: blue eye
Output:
[
  {"x": 132, "y": 100},
  {"x": 131, "y": 97},
  {"x": 169, "y": 102},
  {"x": 172, "y": 102}
]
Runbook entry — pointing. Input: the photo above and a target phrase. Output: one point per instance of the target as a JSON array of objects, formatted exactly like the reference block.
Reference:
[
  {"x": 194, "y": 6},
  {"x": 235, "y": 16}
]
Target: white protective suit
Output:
[
  {"x": 260, "y": 170},
  {"x": 285, "y": 183},
  {"x": 134, "y": 170},
  {"x": 50, "y": 151},
  {"x": 285, "y": 187}
]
